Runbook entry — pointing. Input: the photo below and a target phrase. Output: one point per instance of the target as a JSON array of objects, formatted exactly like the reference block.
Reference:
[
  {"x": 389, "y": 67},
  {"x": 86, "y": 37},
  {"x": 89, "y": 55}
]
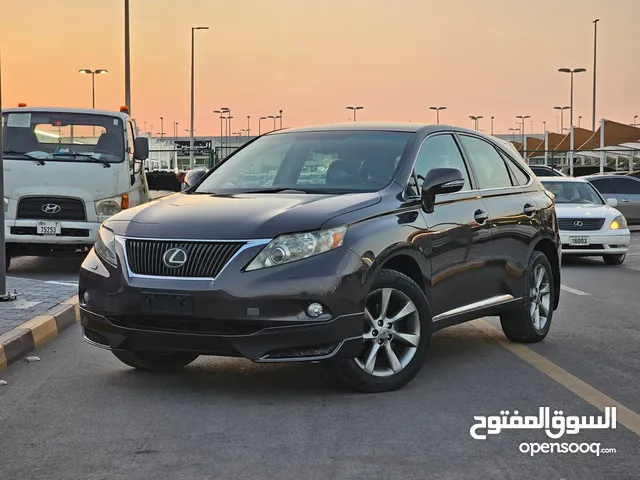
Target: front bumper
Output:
[
  {"x": 72, "y": 233},
  {"x": 259, "y": 315},
  {"x": 612, "y": 242}
]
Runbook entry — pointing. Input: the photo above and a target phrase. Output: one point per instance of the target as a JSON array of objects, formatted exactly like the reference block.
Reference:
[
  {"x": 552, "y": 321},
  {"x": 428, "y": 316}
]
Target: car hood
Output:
[
  {"x": 564, "y": 210},
  {"x": 239, "y": 217}
]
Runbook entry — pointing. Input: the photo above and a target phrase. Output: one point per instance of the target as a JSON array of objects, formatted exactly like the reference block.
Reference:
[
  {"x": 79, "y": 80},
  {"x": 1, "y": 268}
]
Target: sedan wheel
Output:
[{"x": 540, "y": 298}]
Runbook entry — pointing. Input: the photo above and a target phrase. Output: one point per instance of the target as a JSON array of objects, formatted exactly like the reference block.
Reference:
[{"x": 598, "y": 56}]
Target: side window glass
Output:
[
  {"x": 603, "y": 185},
  {"x": 489, "y": 166},
  {"x": 441, "y": 151},
  {"x": 519, "y": 177},
  {"x": 626, "y": 186},
  {"x": 130, "y": 138}
]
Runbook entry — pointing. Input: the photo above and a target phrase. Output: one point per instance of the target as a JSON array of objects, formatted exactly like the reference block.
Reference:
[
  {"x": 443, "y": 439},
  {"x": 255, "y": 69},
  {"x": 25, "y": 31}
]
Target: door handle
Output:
[
  {"x": 625, "y": 200},
  {"x": 481, "y": 216},
  {"x": 529, "y": 209}
]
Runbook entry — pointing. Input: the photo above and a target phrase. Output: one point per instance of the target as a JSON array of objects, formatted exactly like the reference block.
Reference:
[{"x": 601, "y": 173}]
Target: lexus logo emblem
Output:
[
  {"x": 578, "y": 224},
  {"x": 51, "y": 208},
  {"x": 174, "y": 258}
]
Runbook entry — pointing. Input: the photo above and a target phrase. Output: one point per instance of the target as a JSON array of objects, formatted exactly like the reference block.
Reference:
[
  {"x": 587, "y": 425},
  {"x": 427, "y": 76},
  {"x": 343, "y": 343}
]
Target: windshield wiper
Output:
[
  {"x": 84, "y": 155},
  {"x": 25, "y": 155}
]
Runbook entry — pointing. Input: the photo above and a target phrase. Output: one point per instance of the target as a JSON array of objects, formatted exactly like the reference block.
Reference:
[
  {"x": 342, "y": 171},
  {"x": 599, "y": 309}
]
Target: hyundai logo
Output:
[
  {"x": 578, "y": 224},
  {"x": 174, "y": 258},
  {"x": 51, "y": 208}
]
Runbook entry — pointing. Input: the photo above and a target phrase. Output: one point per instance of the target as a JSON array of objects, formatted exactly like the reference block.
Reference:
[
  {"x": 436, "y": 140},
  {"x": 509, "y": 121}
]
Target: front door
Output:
[{"x": 457, "y": 233}]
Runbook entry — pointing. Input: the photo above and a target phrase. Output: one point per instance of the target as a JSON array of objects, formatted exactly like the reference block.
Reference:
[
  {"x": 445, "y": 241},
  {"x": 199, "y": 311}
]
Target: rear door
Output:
[{"x": 628, "y": 194}]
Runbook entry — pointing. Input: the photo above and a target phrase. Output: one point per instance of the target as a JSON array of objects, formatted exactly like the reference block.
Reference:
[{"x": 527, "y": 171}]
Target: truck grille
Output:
[
  {"x": 202, "y": 259},
  {"x": 582, "y": 223},
  {"x": 68, "y": 208}
]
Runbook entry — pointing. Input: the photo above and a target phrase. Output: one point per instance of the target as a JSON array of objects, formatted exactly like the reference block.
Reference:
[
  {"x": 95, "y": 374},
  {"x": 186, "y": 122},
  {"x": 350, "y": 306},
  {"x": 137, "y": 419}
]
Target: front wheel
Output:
[
  {"x": 397, "y": 332},
  {"x": 531, "y": 322},
  {"x": 614, "y": 259},
  {"x": 155, "y": 362}
]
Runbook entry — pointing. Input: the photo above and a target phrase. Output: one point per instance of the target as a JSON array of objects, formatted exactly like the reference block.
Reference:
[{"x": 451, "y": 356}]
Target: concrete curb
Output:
[{"x": 40, "y": 330}]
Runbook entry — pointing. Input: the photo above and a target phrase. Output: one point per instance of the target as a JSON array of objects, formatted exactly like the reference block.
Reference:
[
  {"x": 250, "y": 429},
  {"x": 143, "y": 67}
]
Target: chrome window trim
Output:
[
  {"x": 489, "y": 302},
  {"x": 250, "y": 243}
]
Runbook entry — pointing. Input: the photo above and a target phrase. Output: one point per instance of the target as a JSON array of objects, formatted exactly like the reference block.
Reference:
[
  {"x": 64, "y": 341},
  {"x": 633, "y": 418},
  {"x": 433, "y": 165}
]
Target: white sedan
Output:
[{"x": 589, "y": 226}]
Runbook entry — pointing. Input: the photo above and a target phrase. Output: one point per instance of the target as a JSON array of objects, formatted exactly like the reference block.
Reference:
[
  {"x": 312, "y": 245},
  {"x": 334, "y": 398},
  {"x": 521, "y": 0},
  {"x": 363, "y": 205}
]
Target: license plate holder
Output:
[
  {"x": 167, "y": 304},
  {"x": 579, "y": 240},
  {"x": 48, "y": 228}
]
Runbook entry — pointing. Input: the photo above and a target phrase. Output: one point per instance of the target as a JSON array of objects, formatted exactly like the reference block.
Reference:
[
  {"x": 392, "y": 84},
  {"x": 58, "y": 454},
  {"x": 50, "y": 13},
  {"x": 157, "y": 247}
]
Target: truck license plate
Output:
[
  {"x": 48, "y": 228},
  {"x": 578, "y": 240}
]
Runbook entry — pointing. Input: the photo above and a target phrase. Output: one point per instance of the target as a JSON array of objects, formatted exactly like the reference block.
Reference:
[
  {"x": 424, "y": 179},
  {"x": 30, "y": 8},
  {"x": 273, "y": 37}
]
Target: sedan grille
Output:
[
  {"x": 580, "y": 223},
  {"x": 51, "y": 208},
  {"x": 193, "y": 259}
]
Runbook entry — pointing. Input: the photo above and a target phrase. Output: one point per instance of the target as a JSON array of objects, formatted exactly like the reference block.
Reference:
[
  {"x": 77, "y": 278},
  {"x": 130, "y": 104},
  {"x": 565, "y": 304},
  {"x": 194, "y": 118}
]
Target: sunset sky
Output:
[{"x": 312, "y": 59}]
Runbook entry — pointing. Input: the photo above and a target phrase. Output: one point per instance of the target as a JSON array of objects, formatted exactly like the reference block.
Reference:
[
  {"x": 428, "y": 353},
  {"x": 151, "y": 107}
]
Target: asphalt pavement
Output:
[{"x": 81, "y": 414}]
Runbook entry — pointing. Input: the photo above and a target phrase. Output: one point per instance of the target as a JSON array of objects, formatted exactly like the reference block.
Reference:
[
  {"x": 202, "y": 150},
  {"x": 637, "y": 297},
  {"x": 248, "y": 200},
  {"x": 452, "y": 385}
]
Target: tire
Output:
[
  {"x": 614, "y": 259},
  {"x": 519, "y": 325},
  {"x": 155, "y": 362},
  {"x": 413, "y": 327}
]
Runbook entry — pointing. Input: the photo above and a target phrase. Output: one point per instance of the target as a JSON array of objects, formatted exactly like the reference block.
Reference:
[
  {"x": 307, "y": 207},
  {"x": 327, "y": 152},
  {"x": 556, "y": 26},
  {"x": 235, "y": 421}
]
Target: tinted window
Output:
[
  {"x": 542, "y": 171},
  {"x": 603, "y": 185},
  {"x": 519, "y": 177},
  {"x": 626, "y": 186},
  {"x": 441, "y": 151},
  {"x": 331, "y": 161},
  {"x": 573, "y": 192},
  {"x": 487, "y": 163}
]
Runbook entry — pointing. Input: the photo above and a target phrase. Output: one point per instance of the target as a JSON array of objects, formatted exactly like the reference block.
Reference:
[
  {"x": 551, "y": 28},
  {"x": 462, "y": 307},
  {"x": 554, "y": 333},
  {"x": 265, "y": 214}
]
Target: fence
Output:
[
  {"x": 180, "y": 159},
  {"x": 626, "y": 160}
]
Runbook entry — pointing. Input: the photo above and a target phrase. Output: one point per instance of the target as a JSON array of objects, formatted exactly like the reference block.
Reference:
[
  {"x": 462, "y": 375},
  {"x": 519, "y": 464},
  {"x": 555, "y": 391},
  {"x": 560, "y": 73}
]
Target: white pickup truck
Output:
[{"x": 66, "y": 170}]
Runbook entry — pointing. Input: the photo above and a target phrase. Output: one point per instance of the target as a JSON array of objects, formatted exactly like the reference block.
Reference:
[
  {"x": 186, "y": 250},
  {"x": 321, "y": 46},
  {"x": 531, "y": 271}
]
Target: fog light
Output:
[
  {"x": 314, "y": 310},
  {"x": 85, "y": 298}
]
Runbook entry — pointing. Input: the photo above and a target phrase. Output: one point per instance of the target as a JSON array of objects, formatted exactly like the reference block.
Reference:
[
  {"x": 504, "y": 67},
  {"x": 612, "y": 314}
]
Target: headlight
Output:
[
  {"x": 289, "y": 248},
  {"x": 6, "y": 204},
  {"x": 106, "y": 246},
  {"x": 113, "y": 205},
  {"x": 618, "y": 223}
]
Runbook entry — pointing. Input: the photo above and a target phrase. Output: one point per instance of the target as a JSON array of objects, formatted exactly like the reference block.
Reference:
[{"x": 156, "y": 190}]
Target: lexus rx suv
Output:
[{"x": 349, "y": 244}]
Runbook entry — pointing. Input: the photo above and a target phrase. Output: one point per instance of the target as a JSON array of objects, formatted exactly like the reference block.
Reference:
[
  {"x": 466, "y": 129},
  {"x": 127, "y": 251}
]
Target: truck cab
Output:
[{"x": 66, "y": 170}]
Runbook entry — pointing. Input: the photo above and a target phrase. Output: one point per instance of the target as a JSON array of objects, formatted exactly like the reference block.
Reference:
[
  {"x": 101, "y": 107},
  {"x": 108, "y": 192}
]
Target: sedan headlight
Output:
[
  {"x": 618, "y": 223},
  {"x": 111, "y": 206},
  {"x": 289, "y": 248},
  {"x": 106, "y": 246}
]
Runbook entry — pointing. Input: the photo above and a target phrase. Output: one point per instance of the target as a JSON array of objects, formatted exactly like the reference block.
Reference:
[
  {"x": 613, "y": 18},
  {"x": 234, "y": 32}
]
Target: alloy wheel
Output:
[{"x": 540, "y": 297}]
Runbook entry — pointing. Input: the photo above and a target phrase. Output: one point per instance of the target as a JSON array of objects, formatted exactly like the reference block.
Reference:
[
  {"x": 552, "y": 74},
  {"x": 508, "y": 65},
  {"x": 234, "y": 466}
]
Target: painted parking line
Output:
[
  {"x": 626, "y": 416},
  {"x": 573, "y": 290},
  {"x": 55, "y": 282}
]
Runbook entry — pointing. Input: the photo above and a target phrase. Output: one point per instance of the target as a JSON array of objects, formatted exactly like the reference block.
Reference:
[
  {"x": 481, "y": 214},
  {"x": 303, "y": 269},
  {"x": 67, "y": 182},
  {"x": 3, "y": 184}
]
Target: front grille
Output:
[
  {"x": 203, "y": 259},
  {"x": 583, "y": 223},
  {"x": 65, "y": 232},
  {"x": 158, "y": 323},
  {"x": 69, "y": 208}
]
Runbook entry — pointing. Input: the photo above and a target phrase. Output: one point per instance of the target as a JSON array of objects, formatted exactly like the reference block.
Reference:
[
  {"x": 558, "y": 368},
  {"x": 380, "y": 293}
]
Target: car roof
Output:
[
  {"x": 598, "y": 176},
  {"x": 90, "y": 111},
  {"x": 562, "y": 179}
]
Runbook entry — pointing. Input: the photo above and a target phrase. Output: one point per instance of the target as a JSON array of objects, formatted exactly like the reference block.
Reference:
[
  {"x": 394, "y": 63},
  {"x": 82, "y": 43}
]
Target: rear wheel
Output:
[
  {"x": 532, "y": 321},
  {"x": 155, "y": 362},
  {"x": 397, "y": 331},
  {"x": 614, "y": 259}
]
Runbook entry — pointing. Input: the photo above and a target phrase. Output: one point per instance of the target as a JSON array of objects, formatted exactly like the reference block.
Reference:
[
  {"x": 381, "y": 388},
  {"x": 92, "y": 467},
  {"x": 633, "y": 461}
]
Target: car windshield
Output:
[
  {"x": 63, "y": 136},
  {"x": 314, "y": 162},
  {"x": 573, "y": 192}
]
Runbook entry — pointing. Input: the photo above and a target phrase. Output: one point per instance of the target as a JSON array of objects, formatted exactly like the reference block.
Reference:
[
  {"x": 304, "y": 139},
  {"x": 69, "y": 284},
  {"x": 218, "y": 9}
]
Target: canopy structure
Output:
[{"x": 610, "y": 134}]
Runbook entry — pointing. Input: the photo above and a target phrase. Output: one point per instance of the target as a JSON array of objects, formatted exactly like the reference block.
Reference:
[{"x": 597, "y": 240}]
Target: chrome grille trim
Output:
[{"x": 587, "y": 224}]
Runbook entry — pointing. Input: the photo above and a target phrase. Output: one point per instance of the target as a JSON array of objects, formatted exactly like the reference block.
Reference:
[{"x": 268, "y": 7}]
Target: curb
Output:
[{"x": 40, "y": 330}]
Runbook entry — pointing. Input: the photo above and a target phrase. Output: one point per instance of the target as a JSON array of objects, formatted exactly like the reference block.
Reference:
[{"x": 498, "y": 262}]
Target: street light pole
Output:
[
  {"x": 280, "y": 119},
  {"x": 355, "y": 109},
  {"x": 523, "y": 118},
  {"x": 161, "y": 127},
  {"x": 595, "y": 44},
  {"x": 88, "y": 71},
  {"x": 260, "y": 125},
  {"x": 571, "y": 72},
  {"x": 191, "y": 139},
  {"x": 562, "y": 109},
  {"x": 492, "y": 125},
  {"x": 475, "y": 119},
  {"x": 437, "y": 109},
  {"x": 127, "y": 58},
  {"x": 248, "y": 125}
]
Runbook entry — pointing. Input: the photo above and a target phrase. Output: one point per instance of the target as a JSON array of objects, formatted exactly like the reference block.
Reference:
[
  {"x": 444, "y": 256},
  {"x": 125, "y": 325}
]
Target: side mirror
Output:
[
  {"x": 612, "y": 202},
  {"x": 141, "y": 148},
  {"x": 439, "y": 181},
  {"x": 193, "y": 177}
]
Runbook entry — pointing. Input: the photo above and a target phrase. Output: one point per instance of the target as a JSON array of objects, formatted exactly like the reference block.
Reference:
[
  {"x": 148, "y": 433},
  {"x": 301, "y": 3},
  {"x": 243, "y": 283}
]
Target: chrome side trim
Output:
[
  {"x": 489, "y": 302},
  {"x": 247, "y": 244}
]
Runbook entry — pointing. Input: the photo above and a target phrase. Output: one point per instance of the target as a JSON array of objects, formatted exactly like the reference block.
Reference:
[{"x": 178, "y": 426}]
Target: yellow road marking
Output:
[
  {"x": 626, "y": 417},
  {"x": 43, "y": 328},
  {"x": 3, "y": 359}
]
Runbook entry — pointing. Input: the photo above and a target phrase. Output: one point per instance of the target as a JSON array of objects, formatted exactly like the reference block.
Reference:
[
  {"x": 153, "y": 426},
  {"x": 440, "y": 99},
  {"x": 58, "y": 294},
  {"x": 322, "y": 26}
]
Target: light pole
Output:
[
  {"x": 562, "y": 109},
  {"x": 221, "y": 112},
  {"x": 437, "y": 109},
  {"x": 595, "y": 44},
  {"x": 274, "y": 121},
  {"x": 229, "y": 118},
  {"x": 93, "y": 73},
  {"x": 513, "y": 132},
  {"x": 579, "y": 120},
  {"x": 492, "y": 125},
  {"x": 544, "y": 127},
  {"x": 634, "y": 120},
  {"x": 248, "y": 125},
  {"x": 161, "y": 127},
  {"x": 571, "y": 72},
  {"x": 127, "y": 58},
  {"x": 260, "y": 125},
  {"x": 191, "y": 140},
  {"x": 523, "y": 118},
  {"x": 355, "y": 109},
  {"x": 280, "y": 117},
  {"x": 475, "y": 119}
]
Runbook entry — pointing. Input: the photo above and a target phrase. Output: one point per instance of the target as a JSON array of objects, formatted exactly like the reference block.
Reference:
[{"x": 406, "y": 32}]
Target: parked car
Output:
[
  {"x": 584, "y": 170},
  {"x": 589, "y": 225},
  {"x": 635, "y": 174},
  {"x": 624, "y": 189},
  {"x": 357, "y": 270},
  {"x": 545, "y": 171}
]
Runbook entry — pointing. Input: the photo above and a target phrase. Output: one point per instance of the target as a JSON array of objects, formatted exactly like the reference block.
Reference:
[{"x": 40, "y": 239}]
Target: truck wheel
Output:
[{"x": 155, "y": 362}]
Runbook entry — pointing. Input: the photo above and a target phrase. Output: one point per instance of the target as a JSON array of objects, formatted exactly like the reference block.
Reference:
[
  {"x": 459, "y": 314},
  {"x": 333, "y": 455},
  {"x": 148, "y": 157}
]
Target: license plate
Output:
[
  {"x": 48, "y": 228},
  {"x": 578, "y": 240},
  {"x": 166, "y": 304}
]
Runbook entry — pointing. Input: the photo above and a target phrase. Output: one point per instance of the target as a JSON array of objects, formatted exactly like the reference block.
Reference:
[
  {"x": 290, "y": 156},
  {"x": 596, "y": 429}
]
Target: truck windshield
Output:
[{"x": 63, "y": 136}]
